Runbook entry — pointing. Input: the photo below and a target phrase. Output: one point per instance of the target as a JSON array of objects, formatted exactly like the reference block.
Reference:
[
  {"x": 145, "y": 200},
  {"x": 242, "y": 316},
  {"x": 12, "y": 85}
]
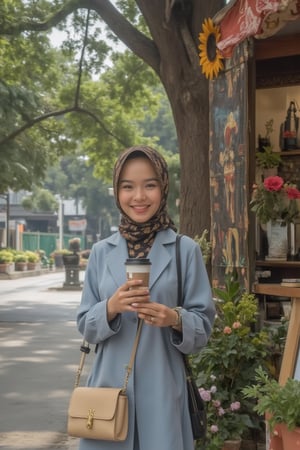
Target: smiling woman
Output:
[{"x": 112, "y": 306}]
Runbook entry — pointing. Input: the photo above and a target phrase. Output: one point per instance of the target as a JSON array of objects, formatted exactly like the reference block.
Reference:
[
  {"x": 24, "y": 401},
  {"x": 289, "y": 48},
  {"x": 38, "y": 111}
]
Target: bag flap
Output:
[{"x": 102, "y": 401}]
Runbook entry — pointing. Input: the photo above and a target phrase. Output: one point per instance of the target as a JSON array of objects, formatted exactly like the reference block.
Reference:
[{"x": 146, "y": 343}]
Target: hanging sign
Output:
[{"x": 77, "y": 225}]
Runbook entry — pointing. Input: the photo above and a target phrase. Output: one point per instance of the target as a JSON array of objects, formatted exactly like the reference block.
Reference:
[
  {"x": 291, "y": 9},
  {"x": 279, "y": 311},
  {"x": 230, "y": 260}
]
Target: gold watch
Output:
[{"x": 178, "y": 323}]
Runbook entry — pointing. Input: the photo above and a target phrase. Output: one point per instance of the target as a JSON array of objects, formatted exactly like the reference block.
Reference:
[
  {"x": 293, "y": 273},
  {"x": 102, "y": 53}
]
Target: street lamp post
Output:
[
  {"x": 6, "y": 197},
  {"x": 60, "y": 221}
]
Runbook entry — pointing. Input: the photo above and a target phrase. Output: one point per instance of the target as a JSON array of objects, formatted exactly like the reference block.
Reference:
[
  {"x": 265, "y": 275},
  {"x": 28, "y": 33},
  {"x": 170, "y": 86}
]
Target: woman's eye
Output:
[
  {"x": 126, "y": 186},
  {"x": 151, "y": 185}
]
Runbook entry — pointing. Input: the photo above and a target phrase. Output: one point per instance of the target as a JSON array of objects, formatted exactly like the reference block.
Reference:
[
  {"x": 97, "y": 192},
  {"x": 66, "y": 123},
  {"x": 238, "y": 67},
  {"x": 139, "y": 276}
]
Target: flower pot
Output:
[
  {"x": 20, "y": 266},
  {"x": 277, "y": 234},
  {"x": 6, "y": 267},
  {"x": 58, "y": 260},
  {"x": 234, "y": 444},
  {"x": 71, "y": 260},
  {"x": 290, "y": 438},
  {"x": 32, "y": 265}
]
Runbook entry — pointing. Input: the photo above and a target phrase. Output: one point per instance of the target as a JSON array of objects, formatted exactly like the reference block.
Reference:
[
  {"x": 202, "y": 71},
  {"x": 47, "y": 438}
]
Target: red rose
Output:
[
  {"x": 273, "y": 183},
  {"x": 292, "y": 193}
]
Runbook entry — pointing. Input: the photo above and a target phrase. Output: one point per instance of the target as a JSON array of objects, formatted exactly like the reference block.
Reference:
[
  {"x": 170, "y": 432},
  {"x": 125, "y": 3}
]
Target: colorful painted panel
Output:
[{"x": 228, "y": 172}]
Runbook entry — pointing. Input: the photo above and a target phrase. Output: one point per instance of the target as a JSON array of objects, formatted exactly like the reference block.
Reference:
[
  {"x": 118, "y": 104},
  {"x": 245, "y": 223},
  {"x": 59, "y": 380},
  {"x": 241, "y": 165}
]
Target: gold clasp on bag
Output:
[{"x": 90, "y": 419}]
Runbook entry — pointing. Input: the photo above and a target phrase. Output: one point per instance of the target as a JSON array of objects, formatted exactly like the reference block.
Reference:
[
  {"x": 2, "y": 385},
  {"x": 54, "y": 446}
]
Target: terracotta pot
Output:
[
  {"x": 275, "y": 443},
  {"x": 234, "y": 444},
  {"x": 6, "y": 267},
  {"x": 290, "y": 438},
  {"x": 20, "y": 266}
]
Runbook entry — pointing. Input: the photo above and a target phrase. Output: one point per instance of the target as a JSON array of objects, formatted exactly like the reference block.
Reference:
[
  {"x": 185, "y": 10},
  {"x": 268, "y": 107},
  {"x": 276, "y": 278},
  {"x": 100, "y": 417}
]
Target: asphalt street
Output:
[{"x": 39, "y": 355}]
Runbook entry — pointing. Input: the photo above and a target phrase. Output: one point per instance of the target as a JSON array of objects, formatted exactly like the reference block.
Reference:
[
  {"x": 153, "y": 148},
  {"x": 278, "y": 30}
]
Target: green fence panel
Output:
[{"x": 46, "y": 241}]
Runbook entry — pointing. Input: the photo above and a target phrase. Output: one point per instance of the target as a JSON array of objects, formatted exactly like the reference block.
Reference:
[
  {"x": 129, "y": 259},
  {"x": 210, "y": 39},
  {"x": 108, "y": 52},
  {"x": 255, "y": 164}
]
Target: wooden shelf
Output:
[
  {"x": 295, "y": 152},
  {"x": 276, "y": 289},
  {"x": 278, "y": 263}
]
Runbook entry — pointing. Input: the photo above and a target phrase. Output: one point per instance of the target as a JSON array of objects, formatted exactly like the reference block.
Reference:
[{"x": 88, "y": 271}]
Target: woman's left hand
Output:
[{"x": 156, "y": 314}]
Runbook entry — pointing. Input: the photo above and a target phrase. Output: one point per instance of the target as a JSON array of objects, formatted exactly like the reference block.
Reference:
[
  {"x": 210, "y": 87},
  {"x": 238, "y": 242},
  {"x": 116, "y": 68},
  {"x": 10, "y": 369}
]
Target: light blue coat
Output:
[{"x": 157, "y": 387}]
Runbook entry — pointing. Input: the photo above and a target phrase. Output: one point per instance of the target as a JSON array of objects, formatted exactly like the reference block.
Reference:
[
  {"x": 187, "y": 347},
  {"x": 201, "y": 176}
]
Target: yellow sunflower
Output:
[{"x": 210, "y": 55}]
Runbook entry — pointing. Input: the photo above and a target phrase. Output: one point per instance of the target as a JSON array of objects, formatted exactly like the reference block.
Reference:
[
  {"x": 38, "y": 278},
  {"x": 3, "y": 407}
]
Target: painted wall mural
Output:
[{"x": 228, "y": 171}]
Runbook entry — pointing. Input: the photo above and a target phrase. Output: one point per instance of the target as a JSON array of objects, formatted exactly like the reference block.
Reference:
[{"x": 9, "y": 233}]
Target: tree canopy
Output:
[{"x": 164, "y": 38}]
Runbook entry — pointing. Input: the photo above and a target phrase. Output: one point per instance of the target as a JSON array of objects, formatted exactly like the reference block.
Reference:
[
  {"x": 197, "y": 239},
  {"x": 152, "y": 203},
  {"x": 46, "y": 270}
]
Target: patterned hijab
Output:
[{"x": 140, "y": 236}]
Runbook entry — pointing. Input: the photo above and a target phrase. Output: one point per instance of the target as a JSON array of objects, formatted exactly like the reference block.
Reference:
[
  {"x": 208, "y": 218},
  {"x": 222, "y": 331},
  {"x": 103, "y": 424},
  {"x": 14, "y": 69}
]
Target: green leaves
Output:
[{"x": 282, "y": 403}]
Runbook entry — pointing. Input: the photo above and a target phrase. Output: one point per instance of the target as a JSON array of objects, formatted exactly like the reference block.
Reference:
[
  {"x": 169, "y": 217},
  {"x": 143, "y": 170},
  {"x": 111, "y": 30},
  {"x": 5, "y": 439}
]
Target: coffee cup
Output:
[{"x": 138, "y": 269}]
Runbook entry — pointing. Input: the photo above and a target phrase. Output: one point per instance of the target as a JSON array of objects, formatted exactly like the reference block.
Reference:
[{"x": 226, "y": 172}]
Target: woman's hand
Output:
[
  {"x": 156, "y": 314},
  {"x": 130, "y": 292}
]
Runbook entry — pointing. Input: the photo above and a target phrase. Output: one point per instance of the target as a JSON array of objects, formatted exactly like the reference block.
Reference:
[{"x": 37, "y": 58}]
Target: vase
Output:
[
  {"x": 277, "y": 235},
  {"x": 234, "y": 444}
]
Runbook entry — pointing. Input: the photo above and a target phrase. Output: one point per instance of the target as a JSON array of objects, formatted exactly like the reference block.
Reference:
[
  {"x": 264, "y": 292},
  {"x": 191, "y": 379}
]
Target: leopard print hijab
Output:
[{"x": 140, "y": 236}]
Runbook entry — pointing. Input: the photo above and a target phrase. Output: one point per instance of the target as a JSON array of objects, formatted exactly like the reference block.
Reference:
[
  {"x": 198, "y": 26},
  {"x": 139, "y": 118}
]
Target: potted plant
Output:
[
  {"x": 280, "y": 404},
  {"x": 33, "y": 260},
  {"x": 21, "y": 261},
  {"x": 6, "y": 261},
  {"x": 227, "y": 364},
  {"x": 226, "y": 423},
  {"x": 51, "y": 263},
  {"x": 72, "y": 258},
  {"x": 275, "y": 203},
  {"x": 275, "y": 199},
  {"x": 264, "y": 141},
  {"x": 57, "y": 255},
  {"x": 268, "y": 159}
]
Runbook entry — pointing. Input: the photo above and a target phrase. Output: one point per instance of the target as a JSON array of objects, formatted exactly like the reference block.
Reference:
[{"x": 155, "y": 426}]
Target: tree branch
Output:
[
  {"x": 61, "y": 112},
  {"x": 77, "y": 93},
  {"x": 136, "y": 41}
]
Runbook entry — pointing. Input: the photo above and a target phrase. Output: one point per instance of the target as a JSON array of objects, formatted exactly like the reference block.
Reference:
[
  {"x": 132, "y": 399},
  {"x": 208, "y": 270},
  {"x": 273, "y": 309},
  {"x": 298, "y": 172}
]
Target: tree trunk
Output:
[{"x": 187, "y": 90}]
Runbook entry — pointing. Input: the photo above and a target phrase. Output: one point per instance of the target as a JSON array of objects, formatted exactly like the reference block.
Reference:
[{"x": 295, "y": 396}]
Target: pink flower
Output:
[
  {"x": 214, "y": 429},
  {"x": 221, "y": 412},
  {"x": 227, "y": 330},
  {"x": 273, "y": 183},
  {"x": 216, "y": 403},
  {"x": 205, "y": 395},
  {"x": 235, "y": 406},
  {"x": 236, "y": 325}
]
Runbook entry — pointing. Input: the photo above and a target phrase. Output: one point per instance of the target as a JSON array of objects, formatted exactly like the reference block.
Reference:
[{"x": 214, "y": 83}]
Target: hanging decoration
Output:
[
  {"x": 210, "y": 55},
  {"x": 241, "y": 19}
]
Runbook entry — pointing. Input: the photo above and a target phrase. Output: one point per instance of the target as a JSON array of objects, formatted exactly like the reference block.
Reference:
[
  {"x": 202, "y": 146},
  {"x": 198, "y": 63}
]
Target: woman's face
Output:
[{"x": 139, "y": 190}]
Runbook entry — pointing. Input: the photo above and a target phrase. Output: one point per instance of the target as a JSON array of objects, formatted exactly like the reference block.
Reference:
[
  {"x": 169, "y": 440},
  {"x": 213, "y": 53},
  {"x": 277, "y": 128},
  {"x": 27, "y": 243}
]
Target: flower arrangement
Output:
[
  {"x": 274, "y": 199},
  {"x": 227, "y": 364}
]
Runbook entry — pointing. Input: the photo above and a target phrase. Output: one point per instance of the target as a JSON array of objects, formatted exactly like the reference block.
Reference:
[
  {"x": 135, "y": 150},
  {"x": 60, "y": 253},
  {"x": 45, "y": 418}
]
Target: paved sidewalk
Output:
[
  {"x": 38, "y": 366},
  {"x": 39, "y": 355}
]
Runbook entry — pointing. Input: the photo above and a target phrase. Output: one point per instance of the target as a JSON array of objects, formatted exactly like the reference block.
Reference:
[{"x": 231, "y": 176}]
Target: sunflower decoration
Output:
[{"x": 210, "y": 55}]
